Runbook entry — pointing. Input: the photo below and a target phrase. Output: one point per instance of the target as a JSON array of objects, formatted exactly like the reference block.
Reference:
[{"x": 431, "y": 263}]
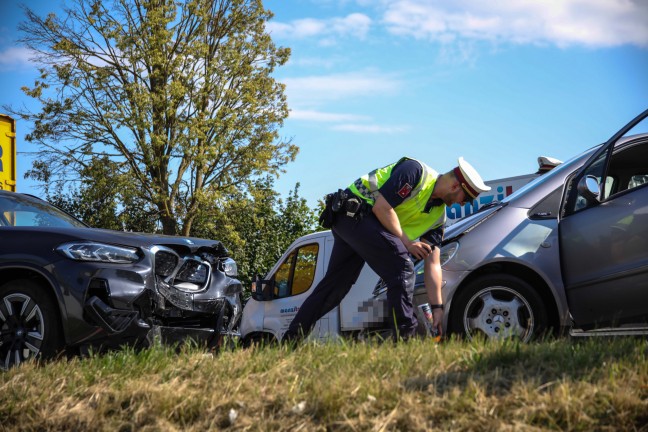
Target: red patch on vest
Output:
[{"x": 405, "y": 191}]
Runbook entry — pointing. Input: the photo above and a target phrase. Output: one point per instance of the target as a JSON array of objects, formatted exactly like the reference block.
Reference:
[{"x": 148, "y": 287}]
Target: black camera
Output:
[{"x": 352, "y": 206}]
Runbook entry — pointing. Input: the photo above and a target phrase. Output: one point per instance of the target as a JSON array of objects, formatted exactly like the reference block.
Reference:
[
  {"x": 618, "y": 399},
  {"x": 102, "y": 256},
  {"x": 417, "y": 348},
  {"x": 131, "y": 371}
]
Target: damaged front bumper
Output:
[
  {"x": 173, "y": 296},
  {"x": 129, "y": 325}
]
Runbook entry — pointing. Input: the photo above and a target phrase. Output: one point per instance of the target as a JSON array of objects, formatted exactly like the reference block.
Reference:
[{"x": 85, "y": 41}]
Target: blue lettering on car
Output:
[{"x": 456, "y": 211}]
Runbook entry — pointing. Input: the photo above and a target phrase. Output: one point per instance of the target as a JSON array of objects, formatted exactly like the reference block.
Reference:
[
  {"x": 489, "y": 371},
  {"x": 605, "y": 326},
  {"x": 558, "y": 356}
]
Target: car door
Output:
[{"x": 604, "y": 237}]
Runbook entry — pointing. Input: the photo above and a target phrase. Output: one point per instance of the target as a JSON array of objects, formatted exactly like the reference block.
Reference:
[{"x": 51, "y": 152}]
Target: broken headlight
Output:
[
  {"x": 230, "y": 268},
  {"x": 193, "y": 275}
]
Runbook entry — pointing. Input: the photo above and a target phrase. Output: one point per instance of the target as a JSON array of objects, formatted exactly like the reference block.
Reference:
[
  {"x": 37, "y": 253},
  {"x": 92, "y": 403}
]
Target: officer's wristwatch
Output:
[{"x": 436, "y": 306}]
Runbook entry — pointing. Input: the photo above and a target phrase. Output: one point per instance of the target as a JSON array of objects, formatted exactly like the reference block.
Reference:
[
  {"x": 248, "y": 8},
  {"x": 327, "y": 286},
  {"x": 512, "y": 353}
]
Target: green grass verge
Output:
[{"x": 580, "y": 385}]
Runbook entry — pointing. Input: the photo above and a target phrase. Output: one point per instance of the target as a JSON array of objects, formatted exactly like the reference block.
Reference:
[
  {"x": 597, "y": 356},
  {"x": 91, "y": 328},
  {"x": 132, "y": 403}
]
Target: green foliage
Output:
[
  {"x": 106, "y": 201},
  {"x": 178, "y": 97},
  {"x": 256, "y": 225}
]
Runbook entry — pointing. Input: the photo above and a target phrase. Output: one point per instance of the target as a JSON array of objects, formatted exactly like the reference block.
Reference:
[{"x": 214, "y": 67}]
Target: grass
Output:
[{"x": 583, "y": 385}]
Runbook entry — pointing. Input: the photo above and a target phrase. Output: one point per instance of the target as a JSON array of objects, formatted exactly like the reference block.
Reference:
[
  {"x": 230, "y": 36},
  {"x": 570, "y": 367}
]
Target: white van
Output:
[{"x": 276, "y": 299}]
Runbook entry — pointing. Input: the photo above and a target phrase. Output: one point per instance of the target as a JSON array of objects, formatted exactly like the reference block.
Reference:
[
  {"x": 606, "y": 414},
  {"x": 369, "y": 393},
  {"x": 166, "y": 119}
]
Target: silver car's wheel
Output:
[
  {"x": 499, "y": 312},
  {"x": 28, "y": 326},
  {"x": 499, "y": 306}
]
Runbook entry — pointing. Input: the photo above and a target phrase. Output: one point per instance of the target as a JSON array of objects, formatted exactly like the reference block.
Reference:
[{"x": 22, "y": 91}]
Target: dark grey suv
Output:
[{"x": 64, "y": 285}]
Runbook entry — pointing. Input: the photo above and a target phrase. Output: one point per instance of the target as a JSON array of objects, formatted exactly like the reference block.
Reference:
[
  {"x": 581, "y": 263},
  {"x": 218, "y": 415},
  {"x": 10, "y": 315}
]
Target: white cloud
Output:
[
  {"x": 369, "y": 128},
  {"x": 354, "y": 25},
  {"x": 301, "y": 28},
  {"x": 353, "y": 123},
  {"x": 319, "y": 62},
  {"x": 327, "y": 117},
  {"x": 594, "y": 23},
  {"x": 313, "y": 90},
  {"x": 307, "y": 94},
  {"x": 460, "y": 52},
  {"x": 15, "y": 58}
]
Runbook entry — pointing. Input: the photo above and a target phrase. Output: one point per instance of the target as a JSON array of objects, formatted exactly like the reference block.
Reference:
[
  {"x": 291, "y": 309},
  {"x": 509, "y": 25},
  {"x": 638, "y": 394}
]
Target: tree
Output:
[
  {"x": 102, "y": 203},
  {"x": 257, "y": 226},
  {"x": 178, "y": 96}
]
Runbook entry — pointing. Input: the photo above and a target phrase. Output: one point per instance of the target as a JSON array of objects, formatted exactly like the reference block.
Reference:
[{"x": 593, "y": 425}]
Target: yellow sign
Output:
[{"x": 7, "y": 153}]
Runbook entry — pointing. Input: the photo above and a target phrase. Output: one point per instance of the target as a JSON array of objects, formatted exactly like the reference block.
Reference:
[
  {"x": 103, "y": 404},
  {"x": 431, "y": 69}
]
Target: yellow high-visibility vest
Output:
[{"x": 411, "y": 213}]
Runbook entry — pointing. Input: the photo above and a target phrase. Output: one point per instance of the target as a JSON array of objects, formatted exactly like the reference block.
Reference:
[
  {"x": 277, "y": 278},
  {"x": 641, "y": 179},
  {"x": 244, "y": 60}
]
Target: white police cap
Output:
[{"x": 469, "y": 179}]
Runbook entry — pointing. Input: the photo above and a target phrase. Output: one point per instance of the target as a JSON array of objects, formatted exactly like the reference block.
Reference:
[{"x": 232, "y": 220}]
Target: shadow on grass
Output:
[{"x": 497, "y": 366}]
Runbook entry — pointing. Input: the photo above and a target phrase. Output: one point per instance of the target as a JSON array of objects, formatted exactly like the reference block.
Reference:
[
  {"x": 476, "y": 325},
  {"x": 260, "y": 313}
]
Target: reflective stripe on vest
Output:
[{"x": 414, "y": 221}]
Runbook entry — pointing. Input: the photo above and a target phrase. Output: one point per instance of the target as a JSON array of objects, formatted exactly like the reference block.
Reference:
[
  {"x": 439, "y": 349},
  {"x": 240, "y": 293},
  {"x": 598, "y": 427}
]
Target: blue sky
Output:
[{"x": 369, "y": 81}]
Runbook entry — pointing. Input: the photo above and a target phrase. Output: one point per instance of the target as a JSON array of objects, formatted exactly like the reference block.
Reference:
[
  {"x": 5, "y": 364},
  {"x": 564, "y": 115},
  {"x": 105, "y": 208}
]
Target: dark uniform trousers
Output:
[{"x": 357, "y": 242}]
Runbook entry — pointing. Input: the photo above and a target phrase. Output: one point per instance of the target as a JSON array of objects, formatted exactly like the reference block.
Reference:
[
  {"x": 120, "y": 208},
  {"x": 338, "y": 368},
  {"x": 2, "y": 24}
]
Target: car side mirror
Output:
[
  {"x": 262, "y": 289},
  {"x": 589, "y": 188}
]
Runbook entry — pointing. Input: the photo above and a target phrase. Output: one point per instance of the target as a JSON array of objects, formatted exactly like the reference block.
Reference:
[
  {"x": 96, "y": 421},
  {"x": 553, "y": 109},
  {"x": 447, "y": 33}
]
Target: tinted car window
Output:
[
  {"x": 23, "y": 211},
  {"x": 637, "y": 180},
  {"x": 628, "y": 168}
]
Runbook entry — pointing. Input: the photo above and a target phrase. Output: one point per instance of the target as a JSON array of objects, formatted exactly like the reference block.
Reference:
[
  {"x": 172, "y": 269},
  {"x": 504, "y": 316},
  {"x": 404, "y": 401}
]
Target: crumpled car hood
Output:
[{"x": 191, "y": 244}]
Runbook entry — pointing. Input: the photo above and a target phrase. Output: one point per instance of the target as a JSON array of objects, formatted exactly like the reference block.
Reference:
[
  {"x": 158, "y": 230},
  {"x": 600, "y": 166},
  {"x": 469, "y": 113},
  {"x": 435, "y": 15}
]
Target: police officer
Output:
[{"x": 382, "y": 219}]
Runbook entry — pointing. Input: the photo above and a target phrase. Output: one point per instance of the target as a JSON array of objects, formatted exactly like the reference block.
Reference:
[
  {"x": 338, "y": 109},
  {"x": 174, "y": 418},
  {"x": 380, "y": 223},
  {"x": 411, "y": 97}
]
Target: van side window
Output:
[
  {"x": 305, "y": 268},
  {"x": 296, "y": 274},
  {"x": 282, "y": 277}
]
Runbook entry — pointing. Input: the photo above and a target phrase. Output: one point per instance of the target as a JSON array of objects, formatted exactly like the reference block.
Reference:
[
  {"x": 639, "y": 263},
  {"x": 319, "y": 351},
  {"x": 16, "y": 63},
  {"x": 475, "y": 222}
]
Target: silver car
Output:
[{"x": 549, "y": 257}]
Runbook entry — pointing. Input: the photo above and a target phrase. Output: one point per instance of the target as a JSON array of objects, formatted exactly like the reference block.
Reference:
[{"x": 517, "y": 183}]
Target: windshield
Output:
[
  {"x": 24, "y": 211},
  {"x": 565, "y": 166}
]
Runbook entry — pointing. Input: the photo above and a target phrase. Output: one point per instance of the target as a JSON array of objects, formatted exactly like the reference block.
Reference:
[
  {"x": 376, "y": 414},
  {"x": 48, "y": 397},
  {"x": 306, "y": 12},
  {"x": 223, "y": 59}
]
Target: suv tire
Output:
[{"x": 29, "y": 324}]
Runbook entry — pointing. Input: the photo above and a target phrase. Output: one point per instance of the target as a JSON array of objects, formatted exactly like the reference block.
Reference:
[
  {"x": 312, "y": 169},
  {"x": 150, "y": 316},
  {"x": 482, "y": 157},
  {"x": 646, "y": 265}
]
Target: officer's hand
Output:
[{"x": 418, "y": 249}]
